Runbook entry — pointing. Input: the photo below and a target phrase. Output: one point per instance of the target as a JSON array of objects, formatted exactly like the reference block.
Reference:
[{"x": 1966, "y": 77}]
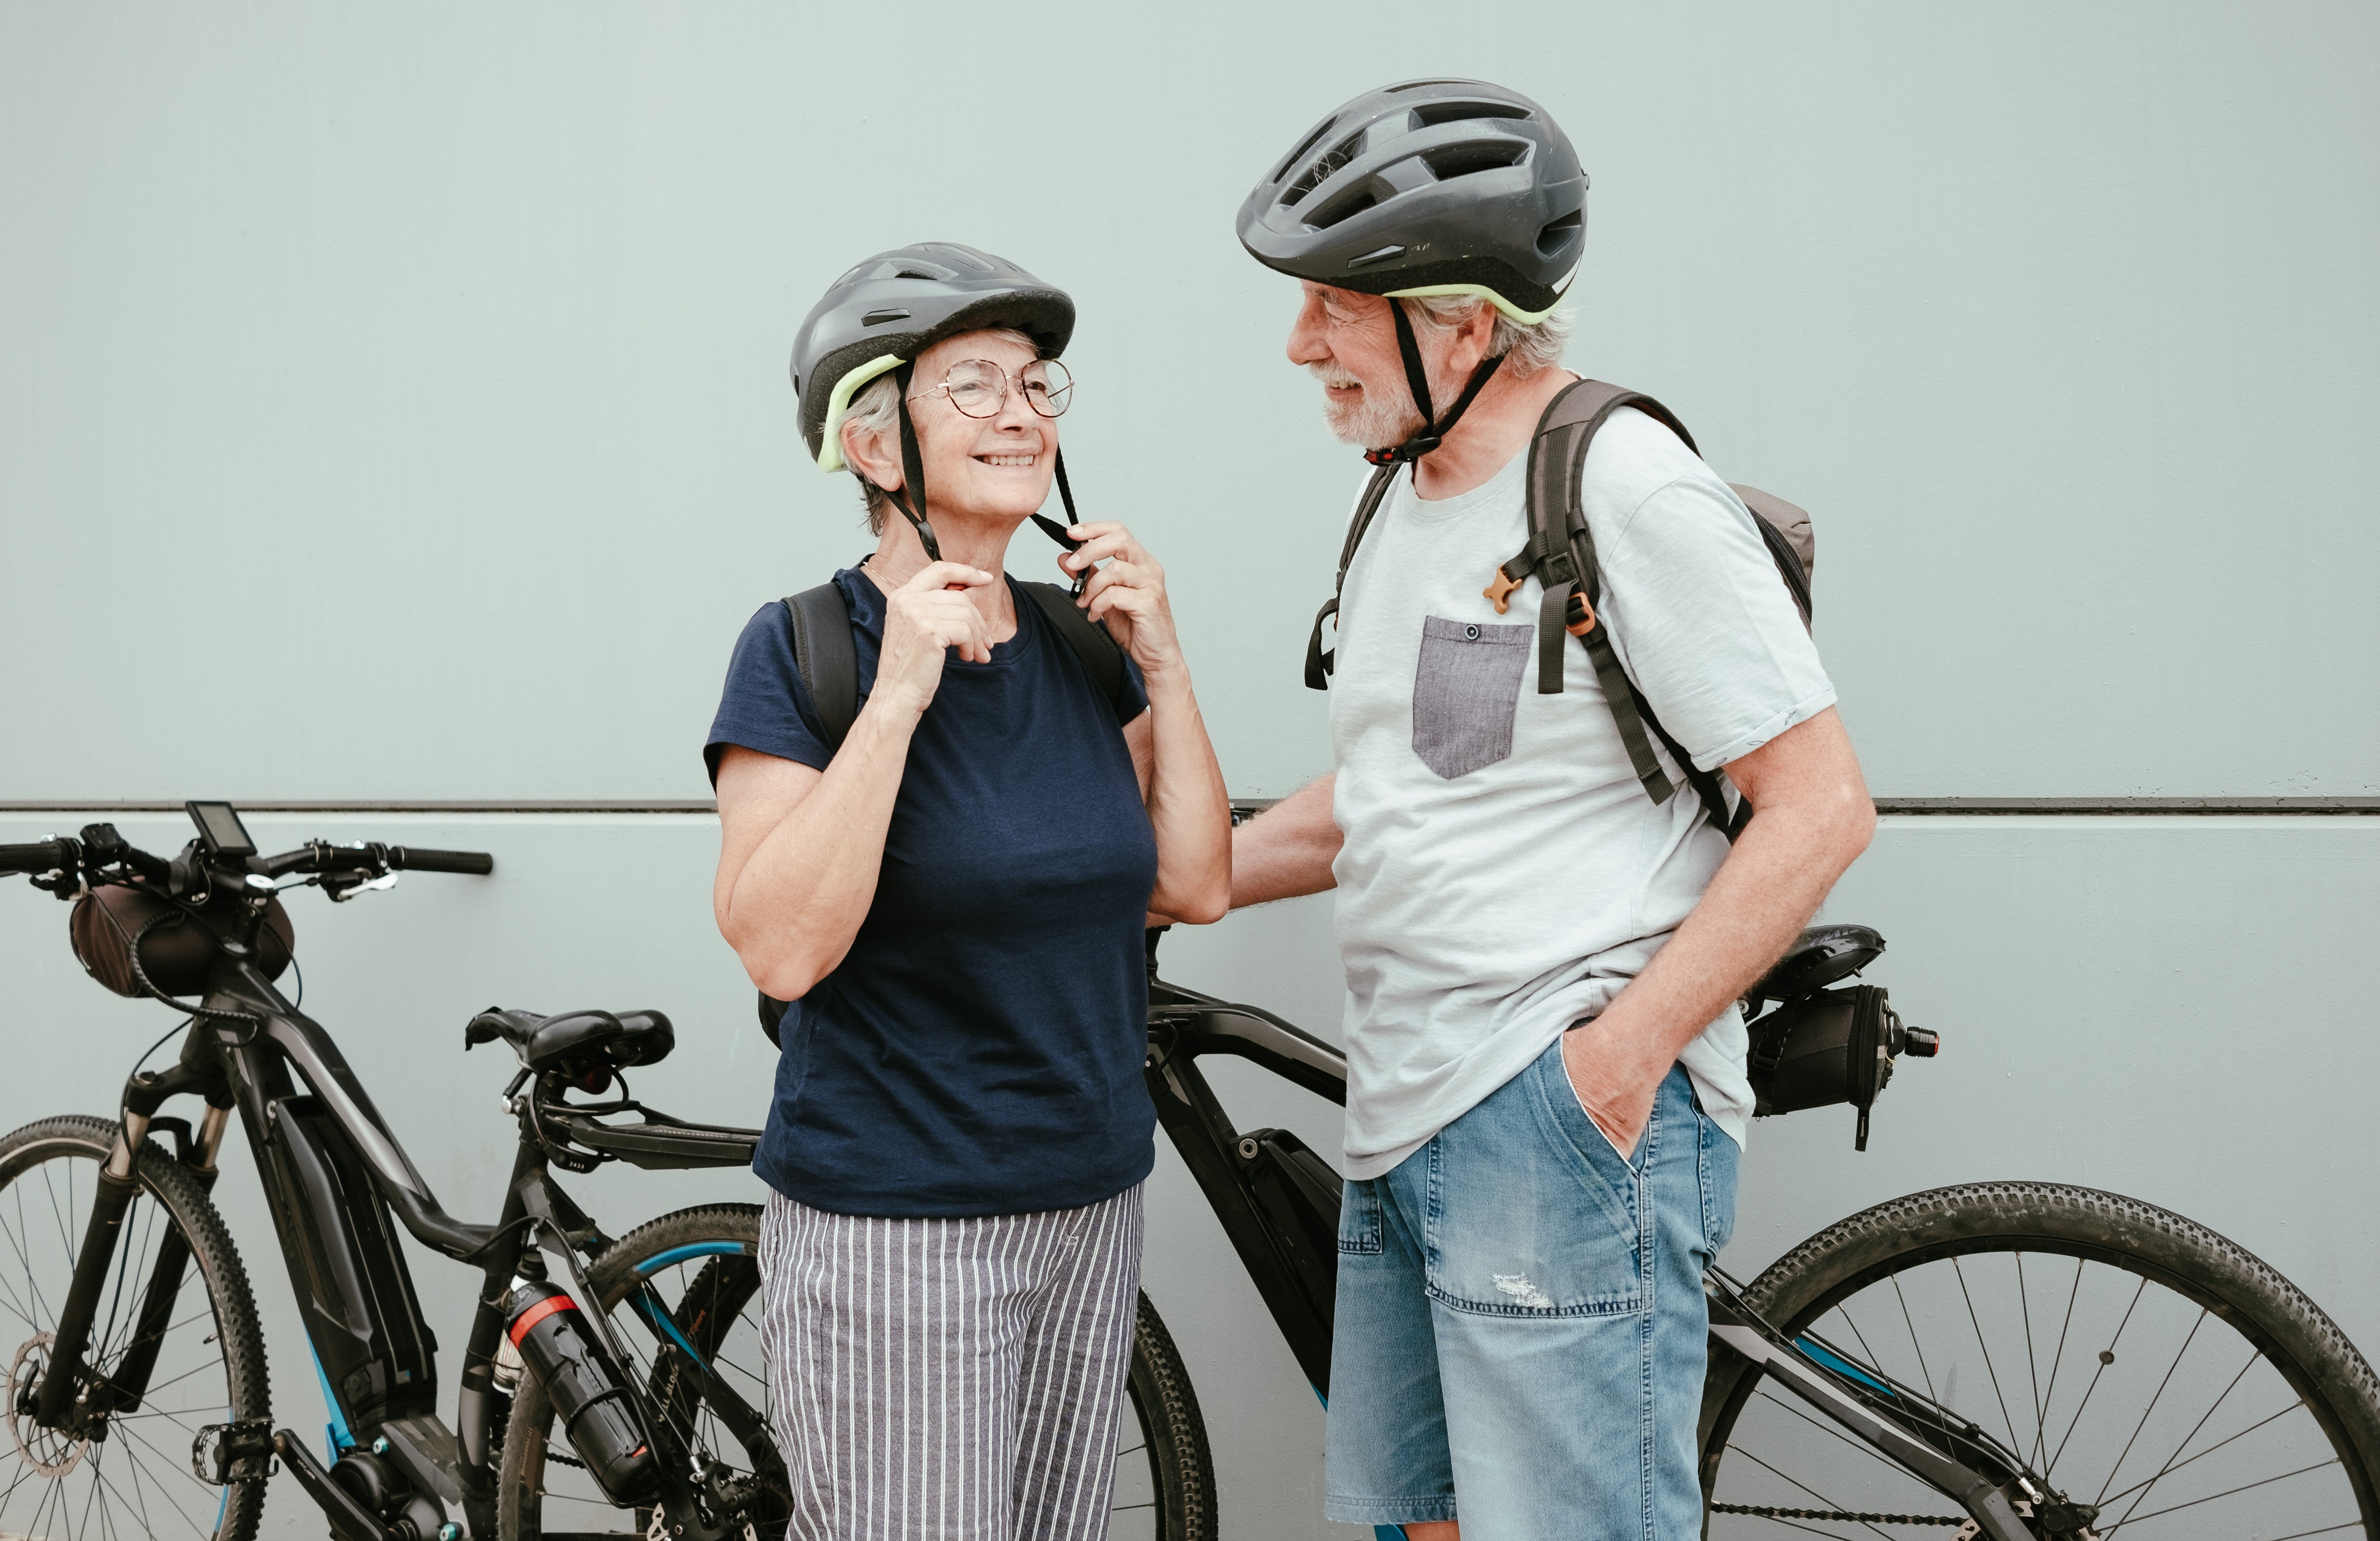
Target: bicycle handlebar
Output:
[
  {"x": 414, "y": 858},
  {"x": 101, "y": 847},
  {"x": 41, "y": 855}
]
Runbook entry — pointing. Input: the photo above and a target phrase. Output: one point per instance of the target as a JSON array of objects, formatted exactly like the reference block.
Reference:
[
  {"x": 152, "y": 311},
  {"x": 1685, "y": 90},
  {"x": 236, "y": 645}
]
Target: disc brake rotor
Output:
[{"x": 47, "y": 1450}]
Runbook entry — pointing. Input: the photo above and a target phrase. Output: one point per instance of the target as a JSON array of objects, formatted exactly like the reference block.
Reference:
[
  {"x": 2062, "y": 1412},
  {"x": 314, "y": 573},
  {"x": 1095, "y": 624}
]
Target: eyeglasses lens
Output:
[
  {"x": 976, "y": 388},
  {"x": 1047, "y": 386}
]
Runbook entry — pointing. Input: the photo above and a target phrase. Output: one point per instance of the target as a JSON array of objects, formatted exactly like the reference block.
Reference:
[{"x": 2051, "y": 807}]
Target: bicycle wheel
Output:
[
  {"x": 2147, "y": 1372},
  {"x": 699, "y": 1264},
  {"x": 131, "y": 1473}
]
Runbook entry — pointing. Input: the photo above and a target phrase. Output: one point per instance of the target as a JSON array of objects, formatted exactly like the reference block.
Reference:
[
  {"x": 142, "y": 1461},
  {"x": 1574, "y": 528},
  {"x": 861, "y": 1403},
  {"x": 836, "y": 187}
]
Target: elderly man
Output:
[{"x": 1548, "y": 1094}]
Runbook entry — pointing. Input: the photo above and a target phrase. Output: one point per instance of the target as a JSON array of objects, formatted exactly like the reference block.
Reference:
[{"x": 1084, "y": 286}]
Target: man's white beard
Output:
[{"x": 1368, "y": 422}]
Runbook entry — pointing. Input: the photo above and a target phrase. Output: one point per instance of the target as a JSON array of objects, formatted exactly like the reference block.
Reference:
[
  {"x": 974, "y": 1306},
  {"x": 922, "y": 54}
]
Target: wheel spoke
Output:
[
  {"x": 2245, "y": 1486},
  {"x": 2114, "y": 1471},
  {"x": 2210, "y": 1449},
  {"x": 2106, "y": 1358},
  {"x": 2014, "y": 1443},
  {"x": 2170, "y": 1462},
  {"x": 2031, "y": 1361},
  {"x": 2055, "y": 1361}
]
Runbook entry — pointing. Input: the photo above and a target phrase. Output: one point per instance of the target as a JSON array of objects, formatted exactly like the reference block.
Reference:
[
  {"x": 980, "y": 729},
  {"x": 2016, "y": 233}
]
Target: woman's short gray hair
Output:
[
  {"x": 876, "y": 409},
  {"x": 1527, "y": 348}
]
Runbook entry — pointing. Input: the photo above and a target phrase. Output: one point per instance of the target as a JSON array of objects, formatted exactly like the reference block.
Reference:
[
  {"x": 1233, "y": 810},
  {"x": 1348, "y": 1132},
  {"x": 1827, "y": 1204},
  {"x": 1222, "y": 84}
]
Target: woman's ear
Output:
[{"x": 864, "y": 452}]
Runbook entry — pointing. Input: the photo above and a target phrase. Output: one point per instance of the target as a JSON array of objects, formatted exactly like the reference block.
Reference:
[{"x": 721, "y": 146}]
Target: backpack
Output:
[
  {"x": 1561, "y": 554},
  {"x": 830, "y": 667}
]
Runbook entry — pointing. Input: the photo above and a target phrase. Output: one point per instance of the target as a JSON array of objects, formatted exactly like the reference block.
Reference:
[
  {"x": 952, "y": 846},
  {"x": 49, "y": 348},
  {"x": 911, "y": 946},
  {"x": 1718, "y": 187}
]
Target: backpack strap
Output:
[
  {"x": 828, "y": 660},
  {"x": 1101, "y": 658},
  {"x": 1320, "y": 661},
  {"x": 1561, "y": 553}
]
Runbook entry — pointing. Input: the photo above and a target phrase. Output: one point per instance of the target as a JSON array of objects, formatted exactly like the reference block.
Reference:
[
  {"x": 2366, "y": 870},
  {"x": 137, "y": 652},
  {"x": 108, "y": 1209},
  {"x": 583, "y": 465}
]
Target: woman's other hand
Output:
[
  {"x": 924, "y": 619},
  {"x": 1128, "y": 594}
]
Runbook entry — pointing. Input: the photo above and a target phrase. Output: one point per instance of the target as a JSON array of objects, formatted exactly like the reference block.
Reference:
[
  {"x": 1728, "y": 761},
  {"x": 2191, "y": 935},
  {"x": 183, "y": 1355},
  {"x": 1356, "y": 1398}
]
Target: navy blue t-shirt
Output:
[{"x": 978, "y": 1050}]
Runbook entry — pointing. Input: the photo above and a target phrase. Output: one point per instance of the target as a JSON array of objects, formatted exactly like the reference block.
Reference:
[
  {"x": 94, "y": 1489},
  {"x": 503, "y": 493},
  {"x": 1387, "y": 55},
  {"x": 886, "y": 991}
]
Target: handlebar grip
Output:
[
  {"x": 41, "y": 855},
  {"x": 413, "y": 858}
]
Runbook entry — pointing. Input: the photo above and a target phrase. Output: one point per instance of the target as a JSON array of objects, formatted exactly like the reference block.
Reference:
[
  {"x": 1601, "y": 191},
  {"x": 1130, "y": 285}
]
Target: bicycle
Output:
[{"x": 1833, "y": 1401}]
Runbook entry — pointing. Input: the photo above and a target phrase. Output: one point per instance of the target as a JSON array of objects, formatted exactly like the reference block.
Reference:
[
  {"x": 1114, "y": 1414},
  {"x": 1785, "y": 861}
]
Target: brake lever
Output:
[{"x": 341, "y": 893}]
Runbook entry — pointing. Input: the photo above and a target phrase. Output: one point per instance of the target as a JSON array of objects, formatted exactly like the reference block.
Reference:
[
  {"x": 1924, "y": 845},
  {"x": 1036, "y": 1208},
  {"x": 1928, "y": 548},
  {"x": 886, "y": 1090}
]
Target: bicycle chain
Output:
[{"x": 1838, "y": 1516}]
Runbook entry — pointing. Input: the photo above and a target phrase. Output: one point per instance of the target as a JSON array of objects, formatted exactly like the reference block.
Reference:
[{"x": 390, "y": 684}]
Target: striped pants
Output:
[{"x": 949, "y": 1379}]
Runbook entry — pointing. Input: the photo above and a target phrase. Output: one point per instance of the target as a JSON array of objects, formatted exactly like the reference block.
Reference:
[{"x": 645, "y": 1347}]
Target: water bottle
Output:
[{"x": 587, "y": 1388}]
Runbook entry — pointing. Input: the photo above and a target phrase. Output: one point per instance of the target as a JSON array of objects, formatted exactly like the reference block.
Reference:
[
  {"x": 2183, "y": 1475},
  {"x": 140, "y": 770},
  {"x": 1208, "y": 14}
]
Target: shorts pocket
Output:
[
  {"x": 1521, "y": 1226},
  {"x": 1467, "y": 690},
  {"x": 1359, "y": 1217}
]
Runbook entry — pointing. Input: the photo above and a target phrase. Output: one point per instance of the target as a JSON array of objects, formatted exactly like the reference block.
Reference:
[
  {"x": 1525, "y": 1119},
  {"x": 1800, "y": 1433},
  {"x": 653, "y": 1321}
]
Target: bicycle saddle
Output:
[
  {"x": 576, "y": 1039},
  {"x": 1822, "y": 955}
]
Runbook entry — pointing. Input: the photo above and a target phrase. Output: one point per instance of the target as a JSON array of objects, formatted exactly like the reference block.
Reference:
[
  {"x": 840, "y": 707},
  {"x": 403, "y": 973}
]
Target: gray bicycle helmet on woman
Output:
[
  {"x": 876, "y": 319},
  {"x": 1428, "y": 188}
]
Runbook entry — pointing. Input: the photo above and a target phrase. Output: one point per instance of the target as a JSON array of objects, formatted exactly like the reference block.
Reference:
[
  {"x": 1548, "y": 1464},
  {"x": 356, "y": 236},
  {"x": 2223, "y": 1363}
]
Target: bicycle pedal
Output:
[{"x": 220, "y": 1447}]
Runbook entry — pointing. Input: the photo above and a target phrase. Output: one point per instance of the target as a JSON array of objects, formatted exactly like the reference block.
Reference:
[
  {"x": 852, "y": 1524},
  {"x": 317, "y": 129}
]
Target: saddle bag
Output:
[{"x": 1821, "y": 1046}]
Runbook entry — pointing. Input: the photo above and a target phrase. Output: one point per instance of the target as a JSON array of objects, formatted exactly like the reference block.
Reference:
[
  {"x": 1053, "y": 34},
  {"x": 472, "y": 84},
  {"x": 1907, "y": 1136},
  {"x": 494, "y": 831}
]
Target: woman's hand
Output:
[
  {"x": 1128, "y": 594},
  {"x": 924, "y": 619}
]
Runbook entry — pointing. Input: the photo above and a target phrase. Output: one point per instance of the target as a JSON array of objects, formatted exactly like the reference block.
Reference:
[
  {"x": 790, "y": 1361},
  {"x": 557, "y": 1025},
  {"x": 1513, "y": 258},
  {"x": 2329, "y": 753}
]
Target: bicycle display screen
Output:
[{"x": 220, "y": 830}]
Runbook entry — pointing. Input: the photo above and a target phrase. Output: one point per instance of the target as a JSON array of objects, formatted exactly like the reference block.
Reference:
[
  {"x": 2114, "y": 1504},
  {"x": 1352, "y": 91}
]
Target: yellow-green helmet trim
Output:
[
  {"x": 830, "y": 457},
  {"x": 1525, "y": 318}
]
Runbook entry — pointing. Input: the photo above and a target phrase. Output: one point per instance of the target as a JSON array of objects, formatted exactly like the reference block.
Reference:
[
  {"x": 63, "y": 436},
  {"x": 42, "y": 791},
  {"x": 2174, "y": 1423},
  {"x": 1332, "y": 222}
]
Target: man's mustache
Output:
[{"x": 1332, "y": 375}]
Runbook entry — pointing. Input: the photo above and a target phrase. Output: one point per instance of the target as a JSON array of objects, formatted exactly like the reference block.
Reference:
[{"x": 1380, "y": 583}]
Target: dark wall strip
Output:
[{"x": 1247, "y": 806}]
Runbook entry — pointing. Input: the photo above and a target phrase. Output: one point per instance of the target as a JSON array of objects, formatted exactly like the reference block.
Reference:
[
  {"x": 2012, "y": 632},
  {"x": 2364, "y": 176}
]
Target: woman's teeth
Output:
[{"x": 1007, "y": 459}]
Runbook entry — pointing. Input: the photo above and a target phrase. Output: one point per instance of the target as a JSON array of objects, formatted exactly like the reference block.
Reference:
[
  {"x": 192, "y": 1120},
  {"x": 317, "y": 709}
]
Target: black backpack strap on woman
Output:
[{"x": 830, "y": 664}]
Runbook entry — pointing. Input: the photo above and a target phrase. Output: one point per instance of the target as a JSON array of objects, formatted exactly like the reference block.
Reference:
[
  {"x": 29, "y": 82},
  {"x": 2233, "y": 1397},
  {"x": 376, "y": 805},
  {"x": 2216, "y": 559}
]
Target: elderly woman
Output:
[{"x": 949, "y": 887}]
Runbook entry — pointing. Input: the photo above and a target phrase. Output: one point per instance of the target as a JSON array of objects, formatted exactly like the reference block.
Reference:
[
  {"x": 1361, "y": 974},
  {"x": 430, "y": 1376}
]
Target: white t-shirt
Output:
[{"x": 1504, "y": 874}]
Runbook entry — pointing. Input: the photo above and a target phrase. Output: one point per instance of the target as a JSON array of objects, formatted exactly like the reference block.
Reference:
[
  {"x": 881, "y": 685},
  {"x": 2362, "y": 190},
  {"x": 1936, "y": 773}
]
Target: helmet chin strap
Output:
[
  {"x": 913, "y": 483},
  {"x": 1432, "y": 432},
  {"x": 913, "y": 473}
]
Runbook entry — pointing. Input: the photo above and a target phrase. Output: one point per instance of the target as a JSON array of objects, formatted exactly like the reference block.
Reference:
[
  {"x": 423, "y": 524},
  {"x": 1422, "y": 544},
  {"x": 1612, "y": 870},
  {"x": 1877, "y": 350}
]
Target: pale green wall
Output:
[{"x": 421, "y": 370}]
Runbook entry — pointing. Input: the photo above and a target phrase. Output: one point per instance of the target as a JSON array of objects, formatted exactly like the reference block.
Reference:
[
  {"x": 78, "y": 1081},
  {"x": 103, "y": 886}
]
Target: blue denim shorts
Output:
[{"x": 1519, "y": 1341}]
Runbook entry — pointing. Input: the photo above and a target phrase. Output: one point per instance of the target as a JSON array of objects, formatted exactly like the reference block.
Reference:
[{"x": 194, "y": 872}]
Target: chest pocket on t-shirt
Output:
[{"x": 1466, "y": 688}]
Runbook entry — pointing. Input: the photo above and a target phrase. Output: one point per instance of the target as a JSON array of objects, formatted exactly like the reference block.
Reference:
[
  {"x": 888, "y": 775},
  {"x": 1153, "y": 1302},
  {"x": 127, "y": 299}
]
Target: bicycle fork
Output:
[{"x": 68, "y": 1398}]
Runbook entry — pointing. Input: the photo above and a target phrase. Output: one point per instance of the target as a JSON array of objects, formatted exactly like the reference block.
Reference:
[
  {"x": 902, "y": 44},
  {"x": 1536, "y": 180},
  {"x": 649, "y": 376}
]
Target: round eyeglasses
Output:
[{"x": 979, "y": 387}]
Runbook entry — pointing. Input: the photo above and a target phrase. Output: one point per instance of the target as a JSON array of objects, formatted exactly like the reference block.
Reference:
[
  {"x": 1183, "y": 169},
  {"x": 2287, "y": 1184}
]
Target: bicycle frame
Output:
[
  {"x": 336, "y": 1177},
  {"x": 1278, "y": 1204}
]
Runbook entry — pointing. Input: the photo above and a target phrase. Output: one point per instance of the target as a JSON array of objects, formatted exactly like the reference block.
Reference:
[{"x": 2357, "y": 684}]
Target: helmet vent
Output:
[
  {"x": 1417, "y": 85},
  {"x": 1299, "y": 153},
  {"x": 1321, "y": 171},
  {"x": 1435, "y": 113},
  {"x": 1554, "y": 236},
  {"x": 1346, "y": 206},
  {"x": 1460, "y": 160}
]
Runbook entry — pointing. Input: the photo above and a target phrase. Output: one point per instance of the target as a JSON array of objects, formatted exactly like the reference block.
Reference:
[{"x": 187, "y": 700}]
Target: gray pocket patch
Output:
[{"x": 1466, "y": 688}]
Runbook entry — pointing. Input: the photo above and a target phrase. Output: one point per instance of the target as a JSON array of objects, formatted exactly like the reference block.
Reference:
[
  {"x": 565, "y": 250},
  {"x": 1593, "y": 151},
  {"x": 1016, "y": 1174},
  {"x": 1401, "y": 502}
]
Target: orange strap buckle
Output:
[
  {"x": 1581, "y": 615},
  {"x": 1500, "y": 591}
]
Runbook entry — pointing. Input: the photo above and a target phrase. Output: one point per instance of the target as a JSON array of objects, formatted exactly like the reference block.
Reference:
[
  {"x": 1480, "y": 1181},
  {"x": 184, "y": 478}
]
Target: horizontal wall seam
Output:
[{"x": 2086, "y": 806}]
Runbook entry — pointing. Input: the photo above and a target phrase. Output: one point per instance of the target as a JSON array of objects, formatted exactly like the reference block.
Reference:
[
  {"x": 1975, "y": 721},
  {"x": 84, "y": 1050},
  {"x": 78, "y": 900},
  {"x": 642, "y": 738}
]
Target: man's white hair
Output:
[
  {"x": 1527, "y": 348},
  {"x": 876, "y": 409}
]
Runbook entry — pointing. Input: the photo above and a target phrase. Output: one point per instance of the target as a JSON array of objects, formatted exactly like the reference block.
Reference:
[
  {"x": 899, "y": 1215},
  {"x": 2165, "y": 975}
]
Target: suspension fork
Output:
[
  {"x": 54, "y": 1402},
  {"x": 130, "y": 1382}
]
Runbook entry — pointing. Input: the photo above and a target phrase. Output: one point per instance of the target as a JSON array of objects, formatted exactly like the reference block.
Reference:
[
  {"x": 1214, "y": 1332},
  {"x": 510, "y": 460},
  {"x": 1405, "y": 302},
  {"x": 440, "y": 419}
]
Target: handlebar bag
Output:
[{"x": 178, "y": 946}]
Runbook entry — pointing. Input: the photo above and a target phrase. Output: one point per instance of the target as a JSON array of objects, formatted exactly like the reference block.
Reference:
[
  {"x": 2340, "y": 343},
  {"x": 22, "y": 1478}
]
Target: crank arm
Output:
[{"x": 1979, "y": 1496}]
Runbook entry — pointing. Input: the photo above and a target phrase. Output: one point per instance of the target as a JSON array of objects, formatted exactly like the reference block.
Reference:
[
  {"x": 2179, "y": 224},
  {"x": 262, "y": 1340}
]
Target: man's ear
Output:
[
  {"x": 864, "y": 452},
  {"x": 1477, "y": 332}
]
